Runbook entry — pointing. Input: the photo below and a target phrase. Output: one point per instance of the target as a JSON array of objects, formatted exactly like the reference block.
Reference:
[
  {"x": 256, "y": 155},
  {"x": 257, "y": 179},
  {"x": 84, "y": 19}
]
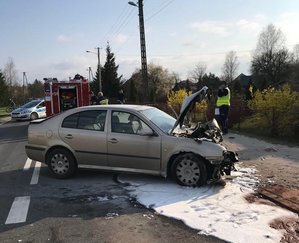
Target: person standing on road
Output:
[
  {"x": 101, "y": 99},
  {"x": 93, "y": 99},
  {"x": 121, "y": 97},
  {"x": 223, "y": 104}
]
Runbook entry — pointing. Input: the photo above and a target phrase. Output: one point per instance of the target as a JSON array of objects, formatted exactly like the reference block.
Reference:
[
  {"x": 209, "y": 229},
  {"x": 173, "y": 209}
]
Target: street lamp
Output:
[
  {"x": 99, "y": 67},
  {"x": 142, "y": 47}
]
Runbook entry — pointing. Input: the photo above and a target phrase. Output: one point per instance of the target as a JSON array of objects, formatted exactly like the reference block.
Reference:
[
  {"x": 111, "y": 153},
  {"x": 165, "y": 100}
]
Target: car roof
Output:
[{"x": 116, "y": 106}]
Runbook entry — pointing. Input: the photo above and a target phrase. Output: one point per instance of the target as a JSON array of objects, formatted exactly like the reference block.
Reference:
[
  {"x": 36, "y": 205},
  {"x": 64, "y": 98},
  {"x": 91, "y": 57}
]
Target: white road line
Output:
[
  {"x": 18, "y": 211},
  {"x": 27, "y": 164},
  {"x": 34, "y": 179}
]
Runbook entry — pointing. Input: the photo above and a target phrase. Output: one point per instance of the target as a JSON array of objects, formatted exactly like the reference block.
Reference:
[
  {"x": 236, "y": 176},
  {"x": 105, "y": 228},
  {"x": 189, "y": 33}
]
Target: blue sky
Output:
[{"x": 49, "y": 38}]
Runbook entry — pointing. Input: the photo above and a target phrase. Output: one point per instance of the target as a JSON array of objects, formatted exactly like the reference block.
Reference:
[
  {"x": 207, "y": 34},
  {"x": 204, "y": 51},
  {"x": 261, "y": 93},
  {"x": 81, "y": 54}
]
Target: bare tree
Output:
[
  {"x": 198, "y": 72},
  {"x": 271, "y": 39},
  {"x": 10, "y": 74},
  {"x": 296, "y": 53},
  {"x": 175, "y": 76},
  {"x": 230, "y": 66},
  {"x": 161, "y": 81},
  {"x": 271, "y": 59}
]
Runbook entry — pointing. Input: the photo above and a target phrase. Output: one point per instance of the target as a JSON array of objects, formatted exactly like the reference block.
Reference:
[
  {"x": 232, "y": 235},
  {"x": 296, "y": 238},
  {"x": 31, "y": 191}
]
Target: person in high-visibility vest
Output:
[
  {"x": 101, "y": 99},
  {"x": 223, "y": 104}
]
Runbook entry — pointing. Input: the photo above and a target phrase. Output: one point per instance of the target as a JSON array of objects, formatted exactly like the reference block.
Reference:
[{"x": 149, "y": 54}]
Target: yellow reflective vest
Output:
[{"x": 224, "y": 100}]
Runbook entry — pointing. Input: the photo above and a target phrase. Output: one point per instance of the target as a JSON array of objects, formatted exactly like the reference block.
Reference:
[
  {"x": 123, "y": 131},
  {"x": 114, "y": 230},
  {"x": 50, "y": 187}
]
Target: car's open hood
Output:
[{"x": 188, "y": 104}]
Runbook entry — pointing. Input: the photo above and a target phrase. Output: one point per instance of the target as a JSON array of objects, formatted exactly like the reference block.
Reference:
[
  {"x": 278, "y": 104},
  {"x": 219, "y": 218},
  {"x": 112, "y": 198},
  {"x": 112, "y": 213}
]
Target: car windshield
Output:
[
  {"x": 31, "y": 104},
  {"x": 161, "y": 119}
]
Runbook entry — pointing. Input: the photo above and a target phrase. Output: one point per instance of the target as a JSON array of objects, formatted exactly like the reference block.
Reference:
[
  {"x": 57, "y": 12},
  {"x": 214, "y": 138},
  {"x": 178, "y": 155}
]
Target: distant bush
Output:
[{"x": 276, "y": 109}]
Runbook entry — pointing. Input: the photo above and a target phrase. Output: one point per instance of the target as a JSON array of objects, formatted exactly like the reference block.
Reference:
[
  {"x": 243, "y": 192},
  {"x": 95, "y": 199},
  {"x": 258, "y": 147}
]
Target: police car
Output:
[{"x": 30, "y": 111}]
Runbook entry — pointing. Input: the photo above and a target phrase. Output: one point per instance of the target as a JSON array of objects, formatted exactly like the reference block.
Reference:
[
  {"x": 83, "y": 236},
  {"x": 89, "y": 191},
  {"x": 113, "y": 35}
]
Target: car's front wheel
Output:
[
  {"x": 33, "y": 116},
  {"x": 189, "y": 170},
  {"x": 61, "y": 163}
]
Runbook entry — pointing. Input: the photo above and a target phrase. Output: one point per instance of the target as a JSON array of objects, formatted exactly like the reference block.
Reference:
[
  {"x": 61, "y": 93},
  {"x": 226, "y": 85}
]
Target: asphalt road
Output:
[{"x": 91, "y": 207}]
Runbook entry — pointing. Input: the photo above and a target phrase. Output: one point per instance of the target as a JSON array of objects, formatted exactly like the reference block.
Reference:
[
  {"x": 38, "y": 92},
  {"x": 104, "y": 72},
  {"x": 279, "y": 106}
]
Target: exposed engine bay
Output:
[{"x": 202, "y": 131}]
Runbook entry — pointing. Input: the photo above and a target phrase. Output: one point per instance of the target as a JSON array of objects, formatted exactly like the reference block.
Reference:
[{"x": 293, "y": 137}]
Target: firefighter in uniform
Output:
[{"x": 223, "y": 104}]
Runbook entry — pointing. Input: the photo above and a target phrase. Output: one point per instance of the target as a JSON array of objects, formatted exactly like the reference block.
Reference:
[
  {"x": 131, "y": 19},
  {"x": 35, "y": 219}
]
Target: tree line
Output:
[{"x": 272, "y": 64}]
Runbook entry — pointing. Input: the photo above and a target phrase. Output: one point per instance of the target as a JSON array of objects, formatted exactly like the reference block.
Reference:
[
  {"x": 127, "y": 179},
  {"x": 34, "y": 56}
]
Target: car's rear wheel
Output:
[
  {"x": 61, "y": 163},
  {"x": 189, "y": 170},
  {"x": 33, "y": 116}
]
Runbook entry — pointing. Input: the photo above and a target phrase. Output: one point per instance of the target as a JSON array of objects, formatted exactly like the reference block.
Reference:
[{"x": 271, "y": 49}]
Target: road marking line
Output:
[
  {"x": 27, "y": 164},
  {"x": 34, "y": 179},
  {"x": 18, "y": 211}
]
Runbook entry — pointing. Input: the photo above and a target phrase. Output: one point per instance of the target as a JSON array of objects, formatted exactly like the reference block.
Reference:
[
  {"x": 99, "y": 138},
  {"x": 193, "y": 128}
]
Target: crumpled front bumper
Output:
[
  {"x": 226, "y": 166},
  {"x": 230, "y": 157}
]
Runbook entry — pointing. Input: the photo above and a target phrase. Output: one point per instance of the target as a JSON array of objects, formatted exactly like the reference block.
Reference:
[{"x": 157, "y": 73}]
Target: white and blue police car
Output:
[{"x": 30, "y": 111}]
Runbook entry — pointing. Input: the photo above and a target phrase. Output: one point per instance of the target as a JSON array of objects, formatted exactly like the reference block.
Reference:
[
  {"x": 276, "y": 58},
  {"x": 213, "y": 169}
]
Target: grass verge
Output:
[{"x": 3, "y": 112}]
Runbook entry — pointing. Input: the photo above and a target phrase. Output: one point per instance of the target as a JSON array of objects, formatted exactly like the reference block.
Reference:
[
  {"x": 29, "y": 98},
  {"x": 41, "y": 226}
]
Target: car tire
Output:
[
  {"x": 61, "y": 163},
  {"x": 33, "y": 116},
  {"x": 189, "y": 170}
]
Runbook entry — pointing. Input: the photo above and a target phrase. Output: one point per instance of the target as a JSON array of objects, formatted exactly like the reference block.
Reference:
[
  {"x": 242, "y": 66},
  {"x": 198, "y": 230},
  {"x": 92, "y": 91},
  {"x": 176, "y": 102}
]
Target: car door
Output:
[
  {"x": 129, "y": 149},
  {"x": 85, "y": 132},
  {"x": 41, "y": 109}
]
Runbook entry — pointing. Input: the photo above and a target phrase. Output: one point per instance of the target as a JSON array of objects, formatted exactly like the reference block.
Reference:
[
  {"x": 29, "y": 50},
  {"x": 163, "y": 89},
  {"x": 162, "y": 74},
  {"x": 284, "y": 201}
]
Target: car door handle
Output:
[
  {"x": 113, "y": 140},
  {"x": 69, "y": 136}
]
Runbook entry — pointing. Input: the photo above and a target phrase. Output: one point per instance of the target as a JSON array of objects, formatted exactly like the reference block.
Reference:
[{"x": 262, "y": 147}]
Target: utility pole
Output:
[
  {"x": 24, "y": 80},
  {"x": 99, "y": 70},
  {"x": 99, "y": 67},
  {"x": 143, "y": 49}
]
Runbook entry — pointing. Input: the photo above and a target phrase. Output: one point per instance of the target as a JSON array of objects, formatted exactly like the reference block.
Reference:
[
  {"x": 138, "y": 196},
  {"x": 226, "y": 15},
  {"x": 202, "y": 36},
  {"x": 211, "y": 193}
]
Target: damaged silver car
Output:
[{"x": 131, "y": 138}]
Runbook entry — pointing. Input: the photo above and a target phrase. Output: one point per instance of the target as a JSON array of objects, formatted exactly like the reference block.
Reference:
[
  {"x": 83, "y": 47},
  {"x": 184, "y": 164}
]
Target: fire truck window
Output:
[
  {"x": 71, "y": 121},
  {"x": 92, "y": 120}
]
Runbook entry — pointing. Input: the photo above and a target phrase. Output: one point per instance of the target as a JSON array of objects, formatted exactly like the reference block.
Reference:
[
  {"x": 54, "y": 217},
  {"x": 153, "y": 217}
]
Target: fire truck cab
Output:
[{"x": 64, "y": 95}]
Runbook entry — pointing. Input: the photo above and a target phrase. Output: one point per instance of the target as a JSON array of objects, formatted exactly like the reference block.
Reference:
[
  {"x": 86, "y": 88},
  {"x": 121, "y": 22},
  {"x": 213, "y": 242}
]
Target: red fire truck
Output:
[{"x": 64, "y": 95}]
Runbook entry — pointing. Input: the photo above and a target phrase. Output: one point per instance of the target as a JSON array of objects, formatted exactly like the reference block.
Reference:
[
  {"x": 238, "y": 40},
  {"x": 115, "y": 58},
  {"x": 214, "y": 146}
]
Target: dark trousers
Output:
[{"x": 223, "y": 117}]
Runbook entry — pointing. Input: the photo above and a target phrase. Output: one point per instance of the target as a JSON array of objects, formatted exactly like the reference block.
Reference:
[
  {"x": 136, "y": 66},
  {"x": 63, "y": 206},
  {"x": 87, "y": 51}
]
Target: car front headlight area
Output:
[{"x": 230, "y": 157}]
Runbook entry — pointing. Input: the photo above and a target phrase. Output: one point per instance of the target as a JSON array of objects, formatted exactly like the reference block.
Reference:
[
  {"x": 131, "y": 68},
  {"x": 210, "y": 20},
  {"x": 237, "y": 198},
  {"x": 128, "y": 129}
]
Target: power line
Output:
[
  {"x": 119, "y": 19},
  {"x": 117, "y": 30},
  {"x": 166, "y": 4}
]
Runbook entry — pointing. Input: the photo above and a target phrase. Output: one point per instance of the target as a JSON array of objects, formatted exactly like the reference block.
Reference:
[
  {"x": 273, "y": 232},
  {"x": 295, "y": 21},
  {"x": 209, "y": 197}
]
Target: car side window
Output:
[
  {"x": 70, "y": 121},
  {"x": 41, "y": 105},
  {"x": 125, "y": 122},
  {"x": 87, "y": 120}
]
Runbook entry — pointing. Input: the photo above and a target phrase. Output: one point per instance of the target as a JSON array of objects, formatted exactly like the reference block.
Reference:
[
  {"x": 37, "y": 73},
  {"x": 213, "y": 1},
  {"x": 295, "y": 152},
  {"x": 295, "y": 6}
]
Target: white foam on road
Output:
[
  {"x": 212, "y": 210},
  {"x": 18, "y": 211},
  {"x": 35, "y": 175}
]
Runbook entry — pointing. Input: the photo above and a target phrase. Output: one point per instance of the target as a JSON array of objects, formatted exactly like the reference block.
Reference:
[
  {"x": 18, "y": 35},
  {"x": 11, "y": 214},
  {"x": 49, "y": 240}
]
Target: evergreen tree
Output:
[
  {"x": 36, "y": 90},
  {"x": 110, "y": 79},
  {"x": 4, "y": 92},
  {"x": 133, "y": 91},
  {"x": 94, "y": 85}
]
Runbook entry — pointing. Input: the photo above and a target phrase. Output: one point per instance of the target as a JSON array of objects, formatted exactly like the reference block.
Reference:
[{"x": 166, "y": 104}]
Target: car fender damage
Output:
[{"x": 208, "y": 135}]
